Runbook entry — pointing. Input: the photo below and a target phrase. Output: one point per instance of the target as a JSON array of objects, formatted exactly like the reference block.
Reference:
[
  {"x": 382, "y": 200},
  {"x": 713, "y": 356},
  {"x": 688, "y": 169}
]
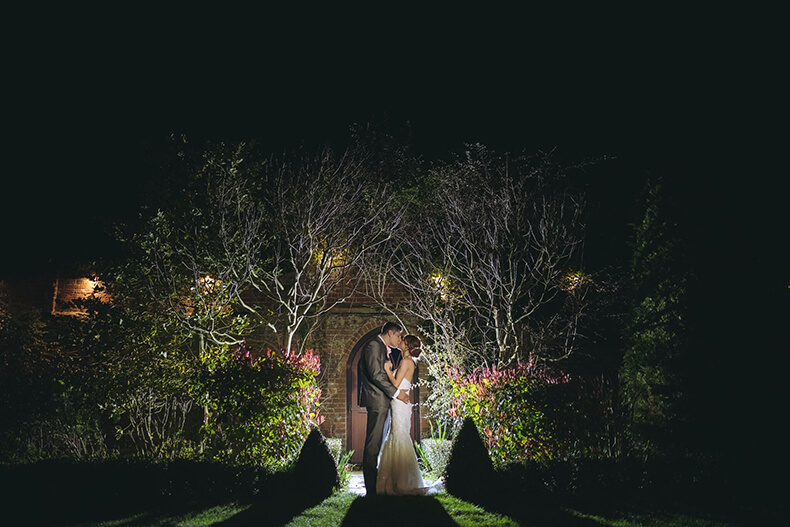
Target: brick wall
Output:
[
  {"x": 341, "y": 330},
  {"x": 68, "y": 289}
]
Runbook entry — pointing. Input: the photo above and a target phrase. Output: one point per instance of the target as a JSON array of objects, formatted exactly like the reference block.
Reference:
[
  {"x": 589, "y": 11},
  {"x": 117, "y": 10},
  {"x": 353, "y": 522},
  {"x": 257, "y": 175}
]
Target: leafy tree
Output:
[
  {"x": 199, "y": 240},
  {"x": 657, "y": 331},
  {"x": 45, "y": 415},
  {"x": 137, "y": 367}
]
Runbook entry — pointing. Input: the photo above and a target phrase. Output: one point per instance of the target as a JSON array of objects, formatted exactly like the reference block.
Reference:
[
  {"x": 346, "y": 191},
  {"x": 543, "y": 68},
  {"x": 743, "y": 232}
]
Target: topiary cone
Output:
[
  {"x": 469, "y": 473},
  {"x": 315, "y": 469}
]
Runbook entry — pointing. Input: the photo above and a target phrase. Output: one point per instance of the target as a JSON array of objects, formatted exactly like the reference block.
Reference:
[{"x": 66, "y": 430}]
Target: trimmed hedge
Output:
[
  {"x": 315, "y": 470},
  {"x": 64, "y": 492},
  {"x": 469, "y": 470}
]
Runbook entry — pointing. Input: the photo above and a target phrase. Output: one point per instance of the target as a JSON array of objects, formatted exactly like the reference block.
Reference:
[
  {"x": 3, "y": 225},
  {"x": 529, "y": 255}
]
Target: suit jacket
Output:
[
  {"x": 396, "y": 356},
  {"x": 376, "y": 390}
]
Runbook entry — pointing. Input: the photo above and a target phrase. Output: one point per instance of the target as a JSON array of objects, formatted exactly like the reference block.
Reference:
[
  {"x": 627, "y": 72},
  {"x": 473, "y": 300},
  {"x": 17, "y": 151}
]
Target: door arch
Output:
[{"x": 357, "y": 416}]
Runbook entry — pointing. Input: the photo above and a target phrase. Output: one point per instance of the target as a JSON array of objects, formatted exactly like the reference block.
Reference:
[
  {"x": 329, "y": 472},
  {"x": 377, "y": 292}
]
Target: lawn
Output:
[
  {"x": 347, "y": 509},
  {"x": 140, "y": 494}
]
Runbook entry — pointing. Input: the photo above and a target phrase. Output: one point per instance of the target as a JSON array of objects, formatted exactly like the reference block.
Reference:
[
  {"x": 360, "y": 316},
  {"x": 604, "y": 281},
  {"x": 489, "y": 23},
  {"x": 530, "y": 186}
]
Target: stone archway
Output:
[{"x": 356, "y": 416}]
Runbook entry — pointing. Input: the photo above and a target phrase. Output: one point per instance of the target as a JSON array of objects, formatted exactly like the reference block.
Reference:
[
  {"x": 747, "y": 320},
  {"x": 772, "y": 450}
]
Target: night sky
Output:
[{"x": 698, "y": 97}]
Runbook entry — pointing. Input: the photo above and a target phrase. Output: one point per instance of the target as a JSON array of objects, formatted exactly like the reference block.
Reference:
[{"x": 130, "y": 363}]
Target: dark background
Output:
[{"x": 696, "y": 96}]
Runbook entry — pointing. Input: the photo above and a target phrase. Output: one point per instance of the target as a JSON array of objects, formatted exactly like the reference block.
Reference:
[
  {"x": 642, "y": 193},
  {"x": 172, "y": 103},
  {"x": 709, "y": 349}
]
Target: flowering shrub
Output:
[
  {"x": 261, "y": 409},
  {"x": 342, "y": 460},
  {"x": 509, "y": 407}
]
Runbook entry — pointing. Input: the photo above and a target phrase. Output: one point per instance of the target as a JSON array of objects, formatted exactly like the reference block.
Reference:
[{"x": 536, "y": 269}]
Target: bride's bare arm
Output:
[{"x": 406, "y": 369}]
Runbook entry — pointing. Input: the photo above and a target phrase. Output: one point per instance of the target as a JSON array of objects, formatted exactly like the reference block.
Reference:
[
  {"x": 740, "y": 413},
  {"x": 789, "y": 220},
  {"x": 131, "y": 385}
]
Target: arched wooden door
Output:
[{"x": 357, "y": 416}]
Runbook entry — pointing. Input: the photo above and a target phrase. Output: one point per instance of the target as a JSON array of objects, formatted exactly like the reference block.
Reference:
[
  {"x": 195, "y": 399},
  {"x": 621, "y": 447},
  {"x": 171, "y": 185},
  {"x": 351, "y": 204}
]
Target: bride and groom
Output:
[{"x": 391, "y": 469}]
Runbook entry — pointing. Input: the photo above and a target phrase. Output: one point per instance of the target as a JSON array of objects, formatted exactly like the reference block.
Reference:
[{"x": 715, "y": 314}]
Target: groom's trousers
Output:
[{"x": 374, "y": 436}]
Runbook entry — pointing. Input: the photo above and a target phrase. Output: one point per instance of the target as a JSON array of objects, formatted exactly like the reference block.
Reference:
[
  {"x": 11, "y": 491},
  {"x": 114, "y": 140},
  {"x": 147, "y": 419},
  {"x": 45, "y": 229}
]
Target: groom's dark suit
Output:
[{"x": 375, "y": 394}]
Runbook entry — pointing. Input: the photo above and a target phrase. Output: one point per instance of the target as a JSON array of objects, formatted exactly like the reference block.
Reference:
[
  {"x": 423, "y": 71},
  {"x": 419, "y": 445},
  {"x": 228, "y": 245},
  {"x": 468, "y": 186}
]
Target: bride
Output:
[{"x": 398, "y": 471}]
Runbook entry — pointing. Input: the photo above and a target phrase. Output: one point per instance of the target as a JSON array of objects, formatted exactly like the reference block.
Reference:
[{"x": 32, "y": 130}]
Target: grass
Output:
[
  {"x": 211, "y": 516},
  {"x": 348, "y": 510},
  {"x": 467, "y": 514},
  {"x": 666, "y": 519},
  {"x": 342, "y": 508}
]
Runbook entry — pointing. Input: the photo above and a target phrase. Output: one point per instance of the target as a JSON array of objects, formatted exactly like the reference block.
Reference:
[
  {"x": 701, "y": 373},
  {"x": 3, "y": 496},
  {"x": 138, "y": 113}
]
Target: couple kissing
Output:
[{"x": 385, "y": 384}]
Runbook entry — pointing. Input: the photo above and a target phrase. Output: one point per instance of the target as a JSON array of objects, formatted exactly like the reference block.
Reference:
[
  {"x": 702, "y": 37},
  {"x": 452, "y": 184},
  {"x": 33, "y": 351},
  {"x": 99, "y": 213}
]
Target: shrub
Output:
[
  {"x": 42, "y": 416},
  {"x": 124, "y": 381},
  {"x": 652, "y": 383},
  {"x": 509, "y": 406},
  {"x": 134, "y": 369},
  {"x": 80, "y": 492},
  {"x": 315, "y": 470},
  {"x": 469, "y": 472},
  {"x": 342, "y": 460},
  {"x": 434, "y": 452},
  {"x": 262, "y": 409}
]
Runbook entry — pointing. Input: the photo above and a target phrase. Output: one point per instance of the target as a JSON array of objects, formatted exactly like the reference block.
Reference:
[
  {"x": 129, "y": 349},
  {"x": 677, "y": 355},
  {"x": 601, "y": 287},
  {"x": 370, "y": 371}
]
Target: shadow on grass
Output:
[
  {"x": 526, "y": 511},
  {"x": 276, "y": 506},
  {"x": 67, "y": 493},
  {"x": 397, "y": 511},
  {"x": 518, "y": 496}
]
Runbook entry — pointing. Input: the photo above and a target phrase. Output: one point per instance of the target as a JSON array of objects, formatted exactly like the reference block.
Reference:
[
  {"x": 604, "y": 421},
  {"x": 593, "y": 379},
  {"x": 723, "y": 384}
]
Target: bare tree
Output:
[
  {"x": 326, "y": 215},
  {"x": 488, "y": 260},
  {"x": 266, "y": 242}
]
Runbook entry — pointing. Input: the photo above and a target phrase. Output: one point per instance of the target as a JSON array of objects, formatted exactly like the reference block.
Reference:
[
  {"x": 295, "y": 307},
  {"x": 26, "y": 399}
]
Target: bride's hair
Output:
[{"x": 415, "y": 346}]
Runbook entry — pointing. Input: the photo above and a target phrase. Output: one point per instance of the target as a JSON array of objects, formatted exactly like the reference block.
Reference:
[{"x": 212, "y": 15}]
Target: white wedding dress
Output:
[{"x": 398, "y": 470}]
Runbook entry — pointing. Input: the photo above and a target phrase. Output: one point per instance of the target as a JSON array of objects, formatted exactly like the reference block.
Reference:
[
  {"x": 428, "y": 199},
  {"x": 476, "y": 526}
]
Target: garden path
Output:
[{"x": 356, "y": 483}]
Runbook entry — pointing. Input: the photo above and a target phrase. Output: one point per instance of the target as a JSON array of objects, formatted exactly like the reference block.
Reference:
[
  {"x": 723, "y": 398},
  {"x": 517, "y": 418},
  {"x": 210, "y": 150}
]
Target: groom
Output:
[{"x": 376, "y": 393}]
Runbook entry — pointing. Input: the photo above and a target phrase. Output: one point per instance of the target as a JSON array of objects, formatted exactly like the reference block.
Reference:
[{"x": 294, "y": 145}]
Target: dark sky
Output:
[
  {"x": 75, "y": 149},
  {"x": 697, "y": 92}
]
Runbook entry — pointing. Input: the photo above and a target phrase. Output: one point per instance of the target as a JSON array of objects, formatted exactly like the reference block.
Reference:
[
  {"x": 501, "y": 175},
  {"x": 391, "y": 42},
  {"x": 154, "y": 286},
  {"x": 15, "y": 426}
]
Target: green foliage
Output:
[
  {"x": 138, "y": 383},
  {"x": 137, "y": 369},
  {"x": 652, "y": 388},
  {"x": 44, "y": 414},
  {"x": 434, "y": 451},
  {"x": 342, "y": 460},
  {"x": 433, "y": 455},
  {"x": 199, "y": 239},
  {"x": 261, "y": 409},
  {"x": 583, "y": 413},
  {"x": 509, "y": 406},
  {"x": 445, "y": 356}
]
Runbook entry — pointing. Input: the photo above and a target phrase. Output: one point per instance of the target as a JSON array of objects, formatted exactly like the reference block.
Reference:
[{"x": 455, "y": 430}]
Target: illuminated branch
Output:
[
  {"x": 274, "y": 239},
  {"x": 483, "y": 261}
]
